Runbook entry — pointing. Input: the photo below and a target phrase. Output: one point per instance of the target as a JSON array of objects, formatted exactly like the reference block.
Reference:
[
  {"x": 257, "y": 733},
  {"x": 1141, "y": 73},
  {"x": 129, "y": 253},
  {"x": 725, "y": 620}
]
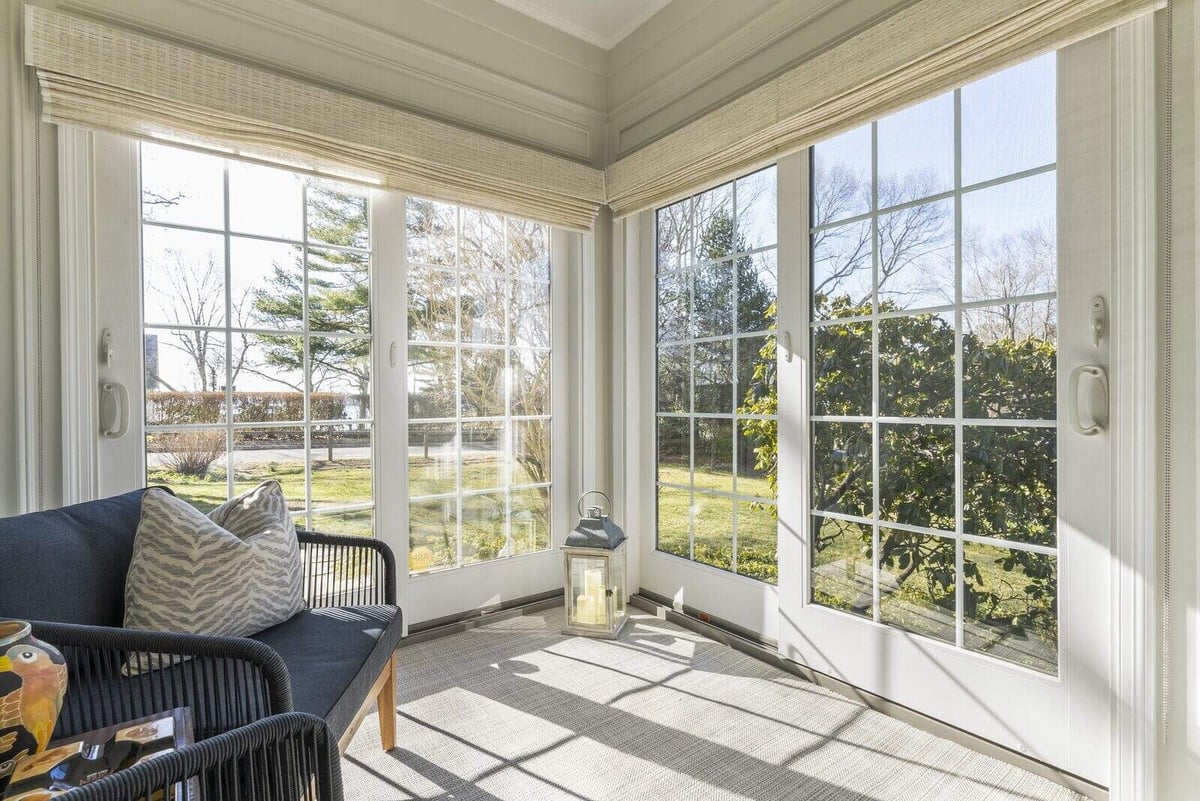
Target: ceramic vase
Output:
[{"x": 33, "y": 682}]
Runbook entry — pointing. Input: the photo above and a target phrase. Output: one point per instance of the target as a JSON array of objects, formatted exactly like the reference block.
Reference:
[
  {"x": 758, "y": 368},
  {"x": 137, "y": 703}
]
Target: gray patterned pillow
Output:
[{"x": 235, "y": 572}]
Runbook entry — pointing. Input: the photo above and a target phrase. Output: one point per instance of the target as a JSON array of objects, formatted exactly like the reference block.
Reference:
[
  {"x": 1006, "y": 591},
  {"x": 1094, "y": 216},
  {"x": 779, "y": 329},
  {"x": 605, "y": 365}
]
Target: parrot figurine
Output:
[{"x": 36, "y": 703}]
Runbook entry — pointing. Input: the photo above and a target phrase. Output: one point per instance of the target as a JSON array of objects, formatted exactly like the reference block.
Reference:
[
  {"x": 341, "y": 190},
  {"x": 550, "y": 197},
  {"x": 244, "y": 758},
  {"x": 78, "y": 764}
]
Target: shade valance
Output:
[
  {"x": 924, "y": 49},
  {"x": 106, "y": 78}
]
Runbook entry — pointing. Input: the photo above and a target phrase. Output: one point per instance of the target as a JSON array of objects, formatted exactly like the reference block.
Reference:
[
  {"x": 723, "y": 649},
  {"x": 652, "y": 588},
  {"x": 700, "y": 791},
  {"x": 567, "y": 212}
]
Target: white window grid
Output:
[
  {"x": 231, "y": 426},
  {"x": 507, "y": 420},
  {"x": 959, "y": 421},
  {"x": 690, "y": 268}
]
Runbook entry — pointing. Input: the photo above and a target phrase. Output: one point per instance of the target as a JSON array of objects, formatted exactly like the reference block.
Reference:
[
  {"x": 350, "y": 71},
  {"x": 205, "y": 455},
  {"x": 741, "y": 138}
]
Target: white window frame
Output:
[{"x": 109, "y": 234}]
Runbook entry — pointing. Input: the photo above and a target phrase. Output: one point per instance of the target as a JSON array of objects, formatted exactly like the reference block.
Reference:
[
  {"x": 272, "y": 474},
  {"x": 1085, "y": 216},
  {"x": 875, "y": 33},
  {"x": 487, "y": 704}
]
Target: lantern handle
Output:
[{"x": 579, "y": 503}]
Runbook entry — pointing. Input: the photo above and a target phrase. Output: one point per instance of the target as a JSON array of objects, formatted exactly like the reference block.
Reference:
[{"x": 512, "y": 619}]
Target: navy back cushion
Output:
[{"x": 68, "y": 565}]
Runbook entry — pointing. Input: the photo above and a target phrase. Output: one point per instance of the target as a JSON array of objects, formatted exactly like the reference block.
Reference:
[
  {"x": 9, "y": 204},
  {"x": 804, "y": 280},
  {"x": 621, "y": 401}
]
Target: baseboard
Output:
[
  {"x": 765, "y": 650},
  {"x": 454, "y": 624}
]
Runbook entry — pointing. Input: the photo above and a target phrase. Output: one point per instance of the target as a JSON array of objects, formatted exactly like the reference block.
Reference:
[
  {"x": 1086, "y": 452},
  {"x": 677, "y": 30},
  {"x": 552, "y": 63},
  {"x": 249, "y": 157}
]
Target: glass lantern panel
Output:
[
  {"x": 618, "y": 580},
  {"x": 588, "y": 602}
]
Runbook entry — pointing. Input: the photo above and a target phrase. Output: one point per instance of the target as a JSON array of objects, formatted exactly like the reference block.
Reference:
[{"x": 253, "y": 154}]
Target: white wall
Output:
[
  {"x": 1180, "y": 756},
  {"x": 8, "y": 323}
]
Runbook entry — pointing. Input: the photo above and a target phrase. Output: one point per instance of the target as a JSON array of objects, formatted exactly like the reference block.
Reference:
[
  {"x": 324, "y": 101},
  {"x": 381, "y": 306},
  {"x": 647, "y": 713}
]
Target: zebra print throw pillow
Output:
[{"x": 233, "y": 572}]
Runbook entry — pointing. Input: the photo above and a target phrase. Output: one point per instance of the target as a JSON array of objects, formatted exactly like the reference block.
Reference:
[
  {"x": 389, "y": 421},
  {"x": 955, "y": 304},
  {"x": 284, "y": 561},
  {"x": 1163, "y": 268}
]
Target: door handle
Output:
[
  {"x": 1098, "y": 422},
  {"x": 114, "y": 410}
]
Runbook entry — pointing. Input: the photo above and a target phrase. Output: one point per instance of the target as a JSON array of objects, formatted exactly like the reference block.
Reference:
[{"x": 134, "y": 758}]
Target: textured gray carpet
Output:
[{"x": 515, "y": 710}]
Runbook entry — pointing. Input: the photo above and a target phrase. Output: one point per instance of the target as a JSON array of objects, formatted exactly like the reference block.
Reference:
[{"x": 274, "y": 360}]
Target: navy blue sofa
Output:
[{"x": 64, "y": 570}]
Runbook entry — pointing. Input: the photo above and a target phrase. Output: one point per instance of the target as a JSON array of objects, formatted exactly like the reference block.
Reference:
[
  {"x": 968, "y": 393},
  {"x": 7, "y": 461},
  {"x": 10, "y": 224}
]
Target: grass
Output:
[{"x": 714, "y": 522}]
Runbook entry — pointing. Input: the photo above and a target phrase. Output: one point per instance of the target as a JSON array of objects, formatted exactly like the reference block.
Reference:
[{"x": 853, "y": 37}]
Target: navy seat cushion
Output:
[
  {"x": 322, "y": 648},
  {"x": 68, "y": 565}
]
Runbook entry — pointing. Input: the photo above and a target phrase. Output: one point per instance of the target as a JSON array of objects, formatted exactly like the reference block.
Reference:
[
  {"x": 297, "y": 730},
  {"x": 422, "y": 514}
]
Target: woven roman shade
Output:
[
  {"x": 926, "y": 48},
  {"x": 105, "y": 78}
]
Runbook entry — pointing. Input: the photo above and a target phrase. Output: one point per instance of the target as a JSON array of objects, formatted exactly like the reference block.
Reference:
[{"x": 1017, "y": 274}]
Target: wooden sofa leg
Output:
[{"x": 387, "y": 707}]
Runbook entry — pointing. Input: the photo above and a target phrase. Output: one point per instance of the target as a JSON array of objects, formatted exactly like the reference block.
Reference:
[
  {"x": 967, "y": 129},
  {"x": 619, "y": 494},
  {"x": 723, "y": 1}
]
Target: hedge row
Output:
[{"x": 173, "y": 408}]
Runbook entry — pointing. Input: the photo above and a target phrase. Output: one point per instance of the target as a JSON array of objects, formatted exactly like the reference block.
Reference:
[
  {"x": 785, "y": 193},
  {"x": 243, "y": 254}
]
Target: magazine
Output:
[{"x": 77, "y": 761}]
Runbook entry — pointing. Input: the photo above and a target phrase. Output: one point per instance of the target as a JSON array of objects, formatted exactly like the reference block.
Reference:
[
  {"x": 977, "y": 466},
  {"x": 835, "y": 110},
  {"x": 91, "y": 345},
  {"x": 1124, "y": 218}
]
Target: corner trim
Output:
[{"x": 78, "y": 304}]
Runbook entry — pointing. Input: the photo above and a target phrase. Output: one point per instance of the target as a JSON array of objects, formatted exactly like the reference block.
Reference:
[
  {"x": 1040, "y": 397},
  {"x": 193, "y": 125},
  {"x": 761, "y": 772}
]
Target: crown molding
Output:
[
  {"x": 571, "y": 28},
  {"x": 434, "y": 82}
]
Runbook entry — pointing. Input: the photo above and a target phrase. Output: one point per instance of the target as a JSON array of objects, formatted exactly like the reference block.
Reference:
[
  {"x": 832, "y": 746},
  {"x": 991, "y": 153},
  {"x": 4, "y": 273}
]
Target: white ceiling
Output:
[{"x": 604, "y": 23}]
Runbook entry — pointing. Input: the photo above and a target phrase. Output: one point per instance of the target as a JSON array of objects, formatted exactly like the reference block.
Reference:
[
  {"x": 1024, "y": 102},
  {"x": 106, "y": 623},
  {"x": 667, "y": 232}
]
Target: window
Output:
[
  {"x": 257, "y": 326},
  {"x": 479, "y": 429},
  {"x": 934, "y": 369},
  {"x": 716, "y": 402}
]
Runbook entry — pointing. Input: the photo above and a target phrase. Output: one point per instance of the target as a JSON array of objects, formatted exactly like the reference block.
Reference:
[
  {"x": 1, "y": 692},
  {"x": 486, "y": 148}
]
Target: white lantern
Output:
[{"x": 594, "y": 566}]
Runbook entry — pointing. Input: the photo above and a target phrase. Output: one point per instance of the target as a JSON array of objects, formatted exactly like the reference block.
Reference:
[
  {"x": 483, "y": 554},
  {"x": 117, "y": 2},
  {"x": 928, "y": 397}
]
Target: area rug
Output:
[{"x": 516, "y": 710}]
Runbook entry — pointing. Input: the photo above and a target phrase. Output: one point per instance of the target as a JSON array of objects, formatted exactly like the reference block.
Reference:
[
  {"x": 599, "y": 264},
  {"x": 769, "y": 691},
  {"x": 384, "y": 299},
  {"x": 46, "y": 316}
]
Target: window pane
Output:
[
  {"x": 916, "y": 366},
  {"x": 531, "y": 452},
  {"x": 675, "y": 450},
  {"x": 712, "y": 299},
  {"x": 713, "y": 444},
  {"x": 271, "y": 454},
  {"x": 529, "y": 314},
  {"x": 756, "y": 374},
  {"x": 916, "y": 151},
  {"x": 431, "y": 232},
  {"x": 916, "y": 257},
  {"x": 266, "y": 284},
  {"x": 1010, "y": 483},
  {"x": 183, "y": 187},
  {"x": 841, "y": 465},
  {"x": 917, "y": 583},
  {"x": 482, "y": 241},
  {"x": 713, "y": 542},
  {"x": 841, "y": 364},
  {"x": 674, "y": 521},
  {"x": 1021, "y": 102},
  {"x": 1010, "y": 239},
  {"x": 484, "y": 456},
  {"x": 337, "y": 215},
  {"x": 482, "y": 300},
  {"x": 341, "y": 366},
  {"x": 757, "y": 541},
  {"x": 674, "y": 227},
  {"x": 916, "y": 475},
  {"x": 756, "y": 291},
  {"x": 483, "y": 527},
  {"x": 530, "y": 383},
  {"x": 714, "y": 376},
  {"x": 183, "y": 275},
  {"x": 432, "y": 458},
  {"x": 529, "y": 249},
  {"x": 432, "y": 534},
  {"x": 482, "y": 383},
  {"x": 360, "y": 523},
  {"x": 756, "y": 198},
  {"x": 340, "y": 463},
  {"x": 757, "y": 458},
  {"x": 185, "y": 376},
  {"x": 432, "y": 382},
  {"x": 268, "y": 379},
  {"x": 530, "y": 523},
  {"x": 674, "y": 304},
  {"x": 266, "y": 201},
  {"x": 713, "y": 219},
  {"x": 841, "y": 283},
  {"x": 842, "y": 177},
  {"x": 1010, "y": 361},
  {"x": 1011, "y": 605},
  {"x": 842, "y": 566},
  {"x": 338, "y": 292},
  {"x": 674, "y": 379},
  {"x": 192, "y": 463},
  {"x": 432, "y": 305}
]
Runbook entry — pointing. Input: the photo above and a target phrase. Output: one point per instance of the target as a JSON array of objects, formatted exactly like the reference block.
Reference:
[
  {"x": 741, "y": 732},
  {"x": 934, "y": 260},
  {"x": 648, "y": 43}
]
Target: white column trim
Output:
[
  {"x": 1134, "y": 360},
  {"x": 77, "y": 281}
]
